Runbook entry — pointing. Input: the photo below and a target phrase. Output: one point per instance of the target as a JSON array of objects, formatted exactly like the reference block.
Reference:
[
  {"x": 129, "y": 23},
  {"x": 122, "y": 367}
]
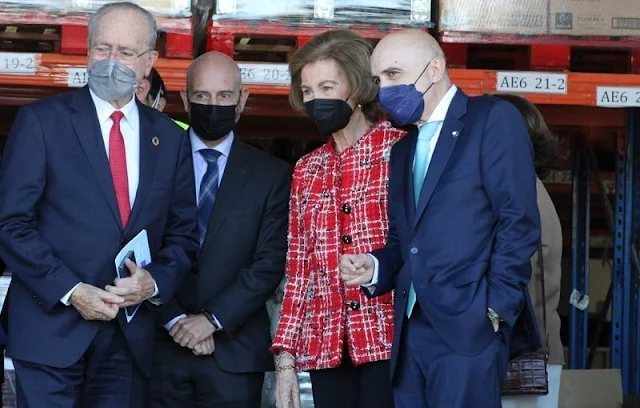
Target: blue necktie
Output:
[
  {"x": 208, "y": 190},
  {"x": 420, "y": 165}
]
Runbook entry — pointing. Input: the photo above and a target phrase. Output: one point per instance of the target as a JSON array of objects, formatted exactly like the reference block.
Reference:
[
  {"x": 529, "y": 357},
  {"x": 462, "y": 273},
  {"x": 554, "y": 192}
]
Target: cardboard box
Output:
[
  {"x": 165, "y": 8},
  {"x": 495, "y": 16},
  {"x": 590, "y": 389},
  {"x": 595, "y": 17},
  {"x": 368, "y": 12}
]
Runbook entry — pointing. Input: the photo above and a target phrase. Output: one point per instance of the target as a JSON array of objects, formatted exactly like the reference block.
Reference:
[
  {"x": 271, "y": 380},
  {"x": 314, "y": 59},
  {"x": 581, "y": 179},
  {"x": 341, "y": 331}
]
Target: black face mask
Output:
[
  {"x": 330, "y": 115},
  {"x": 212, "y": 122}
]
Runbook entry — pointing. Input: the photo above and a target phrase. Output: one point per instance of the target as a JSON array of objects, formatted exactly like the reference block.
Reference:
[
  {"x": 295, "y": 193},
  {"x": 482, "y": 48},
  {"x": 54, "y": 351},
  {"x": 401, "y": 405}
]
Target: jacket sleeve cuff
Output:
[{"x": 66, "y": 299}]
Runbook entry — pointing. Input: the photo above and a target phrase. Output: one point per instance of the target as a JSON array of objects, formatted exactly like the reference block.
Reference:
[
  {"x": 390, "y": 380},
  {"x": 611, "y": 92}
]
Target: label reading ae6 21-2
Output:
[{"x": 531, "y": 82}]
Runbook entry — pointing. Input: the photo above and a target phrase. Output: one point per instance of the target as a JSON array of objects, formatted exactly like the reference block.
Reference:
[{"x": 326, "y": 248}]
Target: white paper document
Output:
[{"x": 139, "y": 245}]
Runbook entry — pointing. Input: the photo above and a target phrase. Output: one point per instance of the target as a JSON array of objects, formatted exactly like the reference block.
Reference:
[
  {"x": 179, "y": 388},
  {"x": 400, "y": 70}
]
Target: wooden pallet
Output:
[
  {"x": 43, "y": 33},
  {"x": 273, "y": 42},
  {"x": 615, "y": 55}
]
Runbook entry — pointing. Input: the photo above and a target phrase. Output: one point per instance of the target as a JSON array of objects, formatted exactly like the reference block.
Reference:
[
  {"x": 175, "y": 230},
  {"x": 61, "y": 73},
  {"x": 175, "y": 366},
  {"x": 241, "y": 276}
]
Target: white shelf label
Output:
[
  {"x": 618, "y": 97},
  {"x": 531, "y": 82},
  {"x": 18, "y": 63},
  {"x": 323, "y": 9},
  {"x": 76, "y": 77},
  {"x": 265, "y": 74}
]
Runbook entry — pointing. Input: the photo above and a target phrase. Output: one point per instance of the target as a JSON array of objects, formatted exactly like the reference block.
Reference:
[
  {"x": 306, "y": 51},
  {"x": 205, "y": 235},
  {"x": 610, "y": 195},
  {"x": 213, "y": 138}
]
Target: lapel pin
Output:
[
  {"x": 155, "y": 141},
  {"x": 455, "y": 133},
  {"x": 386, "y": 155}
]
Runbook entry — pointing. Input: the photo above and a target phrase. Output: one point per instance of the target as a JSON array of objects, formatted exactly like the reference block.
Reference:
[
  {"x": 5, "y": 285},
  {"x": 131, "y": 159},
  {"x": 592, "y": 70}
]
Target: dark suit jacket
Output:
[
  {"x": 467, "y": 246},
  {"x": 60, "y": 224},
  {"x": 241, "y": 262},
  {"x": 3, "y": 317}
]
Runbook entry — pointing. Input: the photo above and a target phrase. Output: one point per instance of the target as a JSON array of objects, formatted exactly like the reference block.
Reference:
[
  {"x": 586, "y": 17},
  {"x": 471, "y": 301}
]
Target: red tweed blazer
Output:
[{"x": 338, "y": 206}]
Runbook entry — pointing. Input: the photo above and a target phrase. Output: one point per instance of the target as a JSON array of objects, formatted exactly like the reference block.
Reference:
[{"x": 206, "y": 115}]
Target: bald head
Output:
[
  {"x": 214, "y": 65},
  {"x": 214, "y": 79},
  {"x": 412, "y": 57},
  {"x": 413, "y": 47}
]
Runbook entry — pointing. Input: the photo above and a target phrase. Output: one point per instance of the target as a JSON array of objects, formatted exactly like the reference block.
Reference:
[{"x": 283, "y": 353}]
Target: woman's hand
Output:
[{"x": 287, "y": 387}]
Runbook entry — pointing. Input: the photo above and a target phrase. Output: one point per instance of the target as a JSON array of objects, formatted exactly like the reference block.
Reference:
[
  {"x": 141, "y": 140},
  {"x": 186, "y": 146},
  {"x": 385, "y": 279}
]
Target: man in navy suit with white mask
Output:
[
  {"x": 83, "y": 173},
  {"x": 464, "y": 224}
]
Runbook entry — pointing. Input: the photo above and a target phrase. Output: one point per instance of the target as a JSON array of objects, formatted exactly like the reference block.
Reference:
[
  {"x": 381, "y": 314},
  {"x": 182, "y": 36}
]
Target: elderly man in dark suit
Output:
[{"x": 83, "y": 173}]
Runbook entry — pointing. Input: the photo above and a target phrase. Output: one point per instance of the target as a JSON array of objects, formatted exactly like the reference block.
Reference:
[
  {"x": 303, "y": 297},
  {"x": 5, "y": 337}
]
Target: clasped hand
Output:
[
  {"x": 356, "y": 269},
  {"x": 96, "y": 304},
  {"x": 194, "y": 332},
  {"x": 135, "y": 289}
]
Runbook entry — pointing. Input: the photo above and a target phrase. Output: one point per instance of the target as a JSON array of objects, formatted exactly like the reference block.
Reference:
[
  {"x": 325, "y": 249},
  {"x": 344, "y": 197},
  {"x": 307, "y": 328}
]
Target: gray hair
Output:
[{"x": 109, "y": 7}]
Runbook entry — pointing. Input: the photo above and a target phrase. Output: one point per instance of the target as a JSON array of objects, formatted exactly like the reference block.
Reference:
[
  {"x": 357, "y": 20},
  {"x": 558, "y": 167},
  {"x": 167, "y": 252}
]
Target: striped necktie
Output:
[{"x": 208, "y": 190}]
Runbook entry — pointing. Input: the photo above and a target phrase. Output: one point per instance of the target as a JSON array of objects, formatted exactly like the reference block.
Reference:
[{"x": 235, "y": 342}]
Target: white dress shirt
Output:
[
  {"x": 439, "y": 114},
  {"x": 199, "y": 169},
  {"x": 130, "y": 129}
]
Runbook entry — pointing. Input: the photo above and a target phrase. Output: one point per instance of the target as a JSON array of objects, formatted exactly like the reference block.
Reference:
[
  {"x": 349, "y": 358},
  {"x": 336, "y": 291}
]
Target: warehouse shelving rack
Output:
[{"x": 27, "y": 76}]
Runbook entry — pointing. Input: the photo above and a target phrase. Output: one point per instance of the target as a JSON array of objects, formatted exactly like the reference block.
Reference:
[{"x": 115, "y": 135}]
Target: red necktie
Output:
[{"x": 118, "y": 165}]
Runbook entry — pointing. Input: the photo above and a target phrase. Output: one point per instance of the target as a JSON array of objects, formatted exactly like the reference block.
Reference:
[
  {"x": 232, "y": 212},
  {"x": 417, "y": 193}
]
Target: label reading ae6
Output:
[
  {"x": 618, "y": 97},
  {"x": 531, "y": 82}
]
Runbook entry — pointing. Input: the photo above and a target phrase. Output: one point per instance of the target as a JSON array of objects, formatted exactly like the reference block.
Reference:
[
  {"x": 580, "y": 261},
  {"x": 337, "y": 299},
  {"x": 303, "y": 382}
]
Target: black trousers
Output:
[
  {"x": 349, "y": 386},
  {"x": 190, "y": 381},
  {"x": 105, "y": 377}
]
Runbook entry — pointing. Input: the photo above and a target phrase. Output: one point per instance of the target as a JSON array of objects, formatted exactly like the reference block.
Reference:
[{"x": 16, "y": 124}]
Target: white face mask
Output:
[
  {"x": 156, "y": 102},
  {"x": 111, "y": 80}
]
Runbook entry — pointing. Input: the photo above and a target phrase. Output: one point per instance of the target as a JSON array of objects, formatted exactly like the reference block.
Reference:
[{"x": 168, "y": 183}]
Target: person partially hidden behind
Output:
[
  {"x": 213, "y": 349},
  {"x": 152, "y": 92},
  {"x": 545, "y": 149},
  {"x": 83, "y": 173},
  {"x": 464, "y": 224}
]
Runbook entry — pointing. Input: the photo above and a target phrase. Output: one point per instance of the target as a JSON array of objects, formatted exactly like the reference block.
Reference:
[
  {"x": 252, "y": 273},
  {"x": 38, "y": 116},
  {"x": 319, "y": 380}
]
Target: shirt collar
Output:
[
  {"x": 224, "y": 147},
  {"x": 440, "y": 112},
  {"x": 104, "y": 109}
]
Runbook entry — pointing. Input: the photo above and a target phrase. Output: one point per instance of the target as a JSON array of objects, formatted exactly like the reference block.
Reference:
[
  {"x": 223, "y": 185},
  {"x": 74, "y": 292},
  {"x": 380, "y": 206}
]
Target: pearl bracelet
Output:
[
  {"x": 284, "y": 354},
  {"x": 285, "y": 368}
]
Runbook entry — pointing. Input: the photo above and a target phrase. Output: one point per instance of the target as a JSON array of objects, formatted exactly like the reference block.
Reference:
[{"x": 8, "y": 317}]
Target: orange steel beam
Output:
[{"x": 53, "y": 70}]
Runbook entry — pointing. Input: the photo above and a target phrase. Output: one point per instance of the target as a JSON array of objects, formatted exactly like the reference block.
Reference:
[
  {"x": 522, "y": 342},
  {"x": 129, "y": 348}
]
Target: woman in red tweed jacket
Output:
[{"x": 338, "y": 205}]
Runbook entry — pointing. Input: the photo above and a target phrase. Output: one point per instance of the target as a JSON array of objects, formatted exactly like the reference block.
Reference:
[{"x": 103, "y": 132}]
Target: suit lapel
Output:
[
  {"x": 87, "y": 128},
  {"x": 148, "y": 156},
  {"x": 449, "y": 135},
  {"x": 234, "y": 178}
]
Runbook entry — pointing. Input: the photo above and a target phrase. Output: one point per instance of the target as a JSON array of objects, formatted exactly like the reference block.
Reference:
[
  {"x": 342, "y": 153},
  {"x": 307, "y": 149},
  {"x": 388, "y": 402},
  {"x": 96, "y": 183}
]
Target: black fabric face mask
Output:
[
  {"x": 330, "y": 115},
  {"x": 212, "y": 122}
]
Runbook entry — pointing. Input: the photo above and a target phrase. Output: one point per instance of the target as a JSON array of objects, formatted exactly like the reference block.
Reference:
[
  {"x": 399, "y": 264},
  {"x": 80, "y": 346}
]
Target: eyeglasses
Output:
[{"x": 122, "y": 54}]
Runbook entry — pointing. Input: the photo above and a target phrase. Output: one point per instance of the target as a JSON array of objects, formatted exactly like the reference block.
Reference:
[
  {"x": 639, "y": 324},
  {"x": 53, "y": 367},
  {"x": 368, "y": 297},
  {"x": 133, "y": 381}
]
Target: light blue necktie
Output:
[{"x": 420, "y": 165}]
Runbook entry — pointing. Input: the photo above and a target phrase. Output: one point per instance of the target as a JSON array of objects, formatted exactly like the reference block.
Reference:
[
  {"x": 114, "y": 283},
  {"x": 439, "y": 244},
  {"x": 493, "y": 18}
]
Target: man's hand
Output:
[
  {"x": 496, "y": 326},
  {"x": 205, "y": 348},
  {"x": 191, "y": 330},
  {"x": 356, "y": 269},
  {"x": 94, "y": 303},
  {"x": 136, "y": 288}
]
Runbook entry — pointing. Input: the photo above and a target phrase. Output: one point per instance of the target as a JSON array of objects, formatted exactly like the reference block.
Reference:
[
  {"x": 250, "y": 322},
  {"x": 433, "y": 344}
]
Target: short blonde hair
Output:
[{"x": 352, "y": 53}]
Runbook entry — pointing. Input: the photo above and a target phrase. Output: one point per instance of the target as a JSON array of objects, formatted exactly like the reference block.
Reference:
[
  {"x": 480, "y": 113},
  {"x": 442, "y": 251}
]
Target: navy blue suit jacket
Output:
[
  {"x": 60, "y": 223},
  {"x": 468, "y": 243}
]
